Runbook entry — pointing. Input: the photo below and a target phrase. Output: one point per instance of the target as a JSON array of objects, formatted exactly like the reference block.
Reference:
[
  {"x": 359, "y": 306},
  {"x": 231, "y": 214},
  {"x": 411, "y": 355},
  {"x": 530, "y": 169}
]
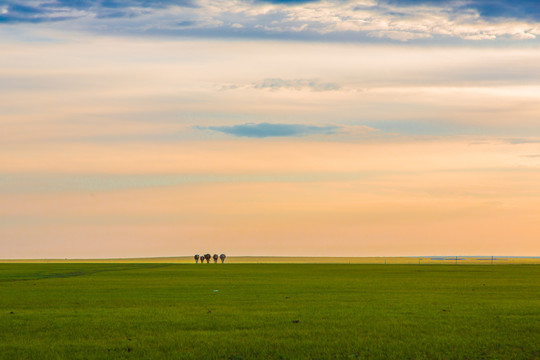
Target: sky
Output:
[{"x": 138, "y": 128}]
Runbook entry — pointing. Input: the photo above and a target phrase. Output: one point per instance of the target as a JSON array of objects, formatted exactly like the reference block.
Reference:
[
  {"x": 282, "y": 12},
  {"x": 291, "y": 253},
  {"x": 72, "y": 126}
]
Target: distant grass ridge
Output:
[
  {"x": 18, "y": 273},
  {"x": 462, "y": 260},
  {"x": 269, "y": 311}
]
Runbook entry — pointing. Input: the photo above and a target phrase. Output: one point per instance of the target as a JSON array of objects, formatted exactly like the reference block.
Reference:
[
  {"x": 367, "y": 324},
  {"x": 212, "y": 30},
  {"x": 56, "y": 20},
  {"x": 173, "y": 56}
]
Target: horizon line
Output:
[{"x": 280, "y": 256}]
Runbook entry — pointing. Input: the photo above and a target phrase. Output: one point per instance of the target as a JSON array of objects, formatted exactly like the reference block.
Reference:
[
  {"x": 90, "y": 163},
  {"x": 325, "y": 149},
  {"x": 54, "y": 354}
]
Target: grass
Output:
[{"x": 262, "y": 311}]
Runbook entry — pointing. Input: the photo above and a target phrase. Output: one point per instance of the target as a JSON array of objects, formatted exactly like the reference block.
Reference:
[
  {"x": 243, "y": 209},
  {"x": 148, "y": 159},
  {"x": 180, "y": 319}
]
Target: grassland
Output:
[{"x": 267, "y": 311}]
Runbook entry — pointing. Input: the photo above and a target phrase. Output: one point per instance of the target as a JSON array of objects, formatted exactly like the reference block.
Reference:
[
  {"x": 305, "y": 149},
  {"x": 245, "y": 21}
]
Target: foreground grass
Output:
[{"x": 289, "y": 311}]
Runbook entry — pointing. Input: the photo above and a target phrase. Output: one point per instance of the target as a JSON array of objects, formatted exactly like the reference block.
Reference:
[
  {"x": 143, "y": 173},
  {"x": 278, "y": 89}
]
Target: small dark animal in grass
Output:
[
  {"x": 196, "y": 257},
  {"x": 222, "y": 257},
  {"x": 202, "y": 259},
  {"x": 208, "y": 257},
  {"x": 215, "y": 257},
  {"x": 296, "y": 321}
]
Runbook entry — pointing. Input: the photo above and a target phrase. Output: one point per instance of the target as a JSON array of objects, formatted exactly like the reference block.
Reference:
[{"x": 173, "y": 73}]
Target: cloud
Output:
[
  {"x": 323, "y": 20},
  {"x": 29, "y": 12},
  {"x": 531, "y": 156},
  {"x": 291, "y": 84},
  {"x": 187, "y": 23},
  {"x": 296, "y": 84},
  {"x": 287, "y": 2},
  {"x": 262, "y": 130},
  {"x": 39, "y": 11},
  {"x": 518, "y": 141},
  {"x": 399, "y": 35},
  {"x": 489, "y": 9}
]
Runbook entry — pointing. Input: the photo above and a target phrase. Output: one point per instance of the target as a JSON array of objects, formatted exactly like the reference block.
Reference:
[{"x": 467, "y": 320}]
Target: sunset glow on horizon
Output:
[{"x": 320, "y": 128}]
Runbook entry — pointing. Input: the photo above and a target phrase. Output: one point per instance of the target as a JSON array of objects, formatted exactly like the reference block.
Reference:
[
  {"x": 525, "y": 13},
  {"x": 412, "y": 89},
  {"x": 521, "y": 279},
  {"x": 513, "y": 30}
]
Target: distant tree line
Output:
[{"x": 207, "y": 257}]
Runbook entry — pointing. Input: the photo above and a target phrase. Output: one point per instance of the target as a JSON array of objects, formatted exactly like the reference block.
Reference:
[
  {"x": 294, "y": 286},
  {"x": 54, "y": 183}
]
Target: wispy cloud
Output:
[
  {"x": 518, "y": 141},
  {"x": 39, "y": 11},
  {"x": 297, "y": 84},
  {"x": 263, "y": 130},
  {"x": 291, "y": 84},
  {"x": 531, "y": 156},
  {"x": 31, "y": 12},
  {"x": 489, "y": 9}
]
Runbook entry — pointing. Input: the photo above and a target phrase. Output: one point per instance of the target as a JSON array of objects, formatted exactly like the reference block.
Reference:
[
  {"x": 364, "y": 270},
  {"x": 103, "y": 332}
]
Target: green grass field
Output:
[{"x": 269, "y": 311}]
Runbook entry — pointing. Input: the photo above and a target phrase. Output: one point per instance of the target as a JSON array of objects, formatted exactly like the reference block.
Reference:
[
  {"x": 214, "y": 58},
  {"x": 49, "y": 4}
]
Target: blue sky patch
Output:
[{"x": 263, "y": 130}]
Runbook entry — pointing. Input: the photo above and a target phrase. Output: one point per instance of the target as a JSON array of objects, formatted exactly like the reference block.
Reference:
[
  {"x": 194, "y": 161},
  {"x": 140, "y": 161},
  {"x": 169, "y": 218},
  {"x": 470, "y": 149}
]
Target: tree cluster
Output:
[{"x": 207, "y": 257}]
